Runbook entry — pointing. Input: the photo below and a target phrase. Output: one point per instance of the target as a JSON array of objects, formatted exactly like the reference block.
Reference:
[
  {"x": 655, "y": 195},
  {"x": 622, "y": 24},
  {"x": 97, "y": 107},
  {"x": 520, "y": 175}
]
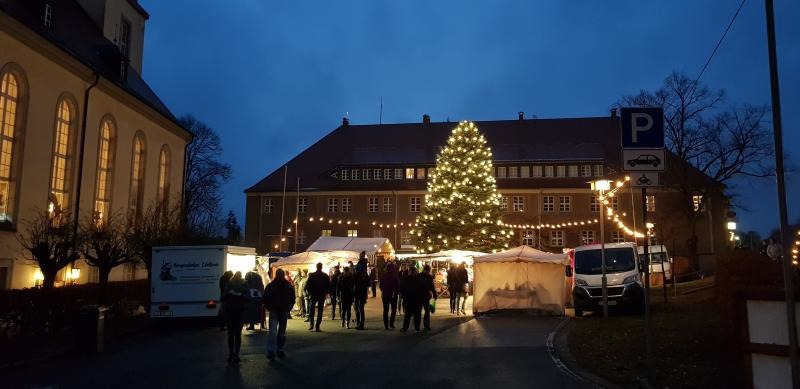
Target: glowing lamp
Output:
[
  {"x": 731, "y": 226},
  {"x": 38, "y": 276},
  {"x": 600, "y": 185}
]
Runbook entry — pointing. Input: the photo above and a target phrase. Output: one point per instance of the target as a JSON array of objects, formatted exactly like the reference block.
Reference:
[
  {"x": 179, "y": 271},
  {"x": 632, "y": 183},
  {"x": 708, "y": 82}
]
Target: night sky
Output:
[{"x": 272, "y": 77}]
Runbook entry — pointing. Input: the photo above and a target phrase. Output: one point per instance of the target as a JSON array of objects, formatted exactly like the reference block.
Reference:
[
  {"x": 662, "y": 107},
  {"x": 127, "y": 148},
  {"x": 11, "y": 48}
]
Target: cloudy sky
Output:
[{"x": 272, "y": 77}]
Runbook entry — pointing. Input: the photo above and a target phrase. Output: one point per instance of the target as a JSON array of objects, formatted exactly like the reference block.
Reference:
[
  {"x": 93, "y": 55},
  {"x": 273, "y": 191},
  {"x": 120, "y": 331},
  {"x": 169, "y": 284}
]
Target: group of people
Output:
[{"x": 404, "y": 289}]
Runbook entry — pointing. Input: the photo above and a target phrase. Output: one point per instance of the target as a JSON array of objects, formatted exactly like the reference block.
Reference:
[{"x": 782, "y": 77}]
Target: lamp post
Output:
[
  {"x": 600, "y": 186},
  {"x": 732, "y": 233}
]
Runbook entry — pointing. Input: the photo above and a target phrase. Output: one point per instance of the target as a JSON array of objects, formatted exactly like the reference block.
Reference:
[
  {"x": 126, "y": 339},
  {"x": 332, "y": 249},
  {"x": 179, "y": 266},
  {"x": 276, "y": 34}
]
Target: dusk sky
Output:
[{"x": 272, "y": 77}]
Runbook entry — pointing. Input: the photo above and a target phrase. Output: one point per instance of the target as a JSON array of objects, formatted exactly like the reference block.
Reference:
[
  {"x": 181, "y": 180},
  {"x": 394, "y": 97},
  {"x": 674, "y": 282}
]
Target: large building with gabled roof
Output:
[{"x": 370, "y": 181}]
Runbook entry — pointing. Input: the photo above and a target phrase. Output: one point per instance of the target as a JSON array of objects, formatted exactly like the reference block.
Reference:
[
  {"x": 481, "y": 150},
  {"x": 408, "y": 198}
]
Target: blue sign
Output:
[{"x": 642, "y": 128}]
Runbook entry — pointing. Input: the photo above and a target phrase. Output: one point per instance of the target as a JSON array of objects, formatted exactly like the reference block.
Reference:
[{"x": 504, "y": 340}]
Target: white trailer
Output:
[{"x": 185, "y": 279}]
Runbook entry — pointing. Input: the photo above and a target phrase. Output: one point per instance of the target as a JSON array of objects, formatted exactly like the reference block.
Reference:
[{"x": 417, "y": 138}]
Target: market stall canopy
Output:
[
  {"x": 524, "y": 254},
  {"x": 304, "y": 258},
  {"x": 372, "y": 246}
]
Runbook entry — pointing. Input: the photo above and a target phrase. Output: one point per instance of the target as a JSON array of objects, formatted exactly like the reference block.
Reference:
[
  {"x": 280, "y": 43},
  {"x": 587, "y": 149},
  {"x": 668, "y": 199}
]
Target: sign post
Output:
[{"x": 643, "y": 155}]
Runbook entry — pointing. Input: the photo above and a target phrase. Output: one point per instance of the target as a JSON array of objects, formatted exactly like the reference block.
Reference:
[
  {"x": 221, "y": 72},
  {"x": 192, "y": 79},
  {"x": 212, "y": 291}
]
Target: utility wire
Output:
[{"x": 720, "y": 41}]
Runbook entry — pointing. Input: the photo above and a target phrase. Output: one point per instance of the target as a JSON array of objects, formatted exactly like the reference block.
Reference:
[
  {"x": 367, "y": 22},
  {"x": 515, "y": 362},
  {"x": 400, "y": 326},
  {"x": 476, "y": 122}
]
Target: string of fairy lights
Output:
[
  {"x": 611, "y": 215},
  {"x": 796, "y": 249}
]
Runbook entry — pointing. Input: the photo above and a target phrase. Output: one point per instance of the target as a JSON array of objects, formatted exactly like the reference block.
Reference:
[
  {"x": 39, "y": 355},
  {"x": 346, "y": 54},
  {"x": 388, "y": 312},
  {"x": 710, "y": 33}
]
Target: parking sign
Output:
[{"x": 642, "y": 128}]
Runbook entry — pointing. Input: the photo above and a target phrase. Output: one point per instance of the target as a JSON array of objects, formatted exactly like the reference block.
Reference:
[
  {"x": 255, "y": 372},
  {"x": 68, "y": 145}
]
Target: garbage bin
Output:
[{"x": 89, "y": 329}]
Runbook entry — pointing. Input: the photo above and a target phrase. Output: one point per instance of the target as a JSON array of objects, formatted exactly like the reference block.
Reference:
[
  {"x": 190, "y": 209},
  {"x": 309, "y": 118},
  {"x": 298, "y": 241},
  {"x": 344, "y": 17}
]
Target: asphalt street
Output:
[{"x": 460, "y": 352}]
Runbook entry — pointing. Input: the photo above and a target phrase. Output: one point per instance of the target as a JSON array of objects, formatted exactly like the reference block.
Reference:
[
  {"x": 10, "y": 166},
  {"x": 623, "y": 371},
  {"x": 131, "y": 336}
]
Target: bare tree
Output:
[
  {"x": 714, "y": 143},
  {"x": 51, "y": 244},
  {"x": 104, "y": 245},
  {"x": 159, "y": 225},
  {"x": 205, "y": 175}
]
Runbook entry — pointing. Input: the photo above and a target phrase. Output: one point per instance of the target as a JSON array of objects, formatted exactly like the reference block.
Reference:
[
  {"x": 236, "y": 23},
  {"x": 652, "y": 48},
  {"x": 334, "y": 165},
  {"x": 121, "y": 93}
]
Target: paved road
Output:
[{"x": 460, "y": 352}]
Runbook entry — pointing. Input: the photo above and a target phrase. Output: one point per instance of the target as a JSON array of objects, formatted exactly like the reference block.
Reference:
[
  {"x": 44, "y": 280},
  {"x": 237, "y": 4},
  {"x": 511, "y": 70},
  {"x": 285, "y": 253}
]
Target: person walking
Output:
[
  {"x": 278, "y": 299},
  {"x": 223, "y": 285},
  {"x": 451, "y": 288},
  {"x": 403, "y": 276},
  {"x": 390, "y": 289},
  {"x": 427, "y": 292},
  {"x": 373, "y": 278},
  {"x": 411, "y": 300},
  {"x": 233, "y": 302},
  {"x": 334, "y": 292},
  {"x": 299, "y": 285},
  {"x": 253, "y": 308},
  {"x": 463, "y": 286},
  {"x": 361, "y": 285},
  {"x": 346, "y": 296},
  {"x": 317, "y": 288}
]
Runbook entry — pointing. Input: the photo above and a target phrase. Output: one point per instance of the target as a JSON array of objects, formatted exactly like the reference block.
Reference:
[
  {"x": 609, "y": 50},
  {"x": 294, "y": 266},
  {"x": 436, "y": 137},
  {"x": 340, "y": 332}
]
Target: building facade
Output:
[
  {"x": 370, "y": 181},
  {"x": 81, "y": 130}
]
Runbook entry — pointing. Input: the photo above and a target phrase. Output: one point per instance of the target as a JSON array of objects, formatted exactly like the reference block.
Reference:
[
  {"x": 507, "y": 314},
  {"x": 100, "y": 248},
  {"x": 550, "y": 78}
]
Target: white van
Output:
[
  {"x": 622, "y": 274},
  {"x": 658, "y": 255}
]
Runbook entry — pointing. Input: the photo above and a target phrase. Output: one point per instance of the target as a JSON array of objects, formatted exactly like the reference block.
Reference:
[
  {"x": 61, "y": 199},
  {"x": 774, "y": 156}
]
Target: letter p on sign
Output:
[{"x": 642, "y": 128}]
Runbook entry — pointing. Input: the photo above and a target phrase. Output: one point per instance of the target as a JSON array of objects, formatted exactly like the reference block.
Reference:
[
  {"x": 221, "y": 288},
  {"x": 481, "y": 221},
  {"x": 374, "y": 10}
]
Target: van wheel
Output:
[{"x": 578, "y": 312}]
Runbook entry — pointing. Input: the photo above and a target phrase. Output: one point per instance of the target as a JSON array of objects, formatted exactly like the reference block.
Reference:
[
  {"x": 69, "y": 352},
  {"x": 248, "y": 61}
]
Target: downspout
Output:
[
  {"x": 79, "y": 188},
  {"x": 183, "y": 189}
]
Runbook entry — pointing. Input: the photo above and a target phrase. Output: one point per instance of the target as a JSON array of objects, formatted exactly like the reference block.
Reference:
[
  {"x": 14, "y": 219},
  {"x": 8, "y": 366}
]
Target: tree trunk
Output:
[
  {"x": 49, "y": 278},
  {"x": 102, "y": 284}
]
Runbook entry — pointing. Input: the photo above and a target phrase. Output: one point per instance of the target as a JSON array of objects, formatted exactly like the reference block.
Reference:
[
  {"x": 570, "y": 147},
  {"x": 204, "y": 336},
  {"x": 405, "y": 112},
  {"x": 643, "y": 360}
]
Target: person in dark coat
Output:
[
  {"x": 427, "y": 292},
  {"x": 403, "y": 276},
  {"x": 346, "y": 295},
  {"x": 390, "y": 289},
  {"x": 278, "y": 299},
  {"x": 253, "y": 312},
  {"x": 223, "y": 283},
  {"x": 317, "y": 287},
  {"x": 412, "y": 298},
  {"x": 334, "y": 292},
  {"x": 373, "y": 279},
  {"x": 361, "y": 285},
  {"x": 451, "y": 288},
  {"x": 463, "y": 286},
  {"x": 233, "y": 301}
]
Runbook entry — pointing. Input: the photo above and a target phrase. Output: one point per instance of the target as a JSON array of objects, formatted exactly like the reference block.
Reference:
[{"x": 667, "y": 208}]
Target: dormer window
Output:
[
  {"x": 48, "y": 15},
  {"x": 124, "y": 41}
]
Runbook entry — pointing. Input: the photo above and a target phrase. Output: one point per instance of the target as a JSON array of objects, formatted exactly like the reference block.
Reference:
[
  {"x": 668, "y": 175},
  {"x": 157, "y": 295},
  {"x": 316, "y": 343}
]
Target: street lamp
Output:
[
  {"x": 600, "y": 186},
  {"x": 732, "y": 233}
]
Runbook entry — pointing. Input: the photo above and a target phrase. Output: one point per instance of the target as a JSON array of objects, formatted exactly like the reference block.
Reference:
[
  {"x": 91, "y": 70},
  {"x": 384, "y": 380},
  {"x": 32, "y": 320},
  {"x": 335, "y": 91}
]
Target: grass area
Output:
[{"x": 687, "y": 343}]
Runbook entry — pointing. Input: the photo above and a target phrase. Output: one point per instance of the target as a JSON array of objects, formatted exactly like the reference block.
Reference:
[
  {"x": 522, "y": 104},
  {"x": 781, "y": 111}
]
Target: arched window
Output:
[
  {"x": 58, "y": 200},
  {"x": 105, "y": 166},
  {"x": 137, "y": 175},
  {"x": 163, "y": 176},
  {"x": 11, "y": 91}
]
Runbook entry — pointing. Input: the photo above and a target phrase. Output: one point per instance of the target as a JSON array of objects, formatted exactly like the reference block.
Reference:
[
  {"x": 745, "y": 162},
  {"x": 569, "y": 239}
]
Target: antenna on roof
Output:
[{"x": 380, "y": 114}]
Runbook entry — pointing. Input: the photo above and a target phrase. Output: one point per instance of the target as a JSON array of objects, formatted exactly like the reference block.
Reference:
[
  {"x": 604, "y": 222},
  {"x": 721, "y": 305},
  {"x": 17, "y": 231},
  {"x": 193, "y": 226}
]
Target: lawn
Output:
[{"x": 687, "y": 343}]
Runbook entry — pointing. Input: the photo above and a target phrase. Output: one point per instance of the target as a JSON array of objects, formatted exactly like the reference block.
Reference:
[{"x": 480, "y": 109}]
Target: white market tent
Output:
[
  {"x": 309, "y": 259},
  {"x": 456, "y": 256},
  {"x": 372, "y": 246},
  {"x": 520, "y": 278}
]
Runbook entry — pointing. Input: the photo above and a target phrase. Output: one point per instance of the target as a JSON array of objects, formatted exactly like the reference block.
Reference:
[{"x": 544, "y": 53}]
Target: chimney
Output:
[
  {"x": 426, "y": 119},
  {"x": 345, "y": 121},
  {"x": 613, "y": 113},
  {"x": 521, "y": 115}
]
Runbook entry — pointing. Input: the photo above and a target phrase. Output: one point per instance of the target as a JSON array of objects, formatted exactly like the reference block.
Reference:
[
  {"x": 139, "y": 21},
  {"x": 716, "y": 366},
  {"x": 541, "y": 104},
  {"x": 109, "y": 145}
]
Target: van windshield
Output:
[{"x": 617, "y": 260}]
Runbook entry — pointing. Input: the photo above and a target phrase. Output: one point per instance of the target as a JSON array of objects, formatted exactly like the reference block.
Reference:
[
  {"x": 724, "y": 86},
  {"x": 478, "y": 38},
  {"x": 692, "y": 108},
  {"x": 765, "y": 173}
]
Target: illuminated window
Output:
[
  {"x": 651, "y": 203},
  {"x": 420, "y": 173},
  {"x": 409, "y": 173},
  {"x": 504, "y": 204},
  {"x": 137, "y": 175},
  {"x": 587, "y": 236},
  {"x": 345, "y": 174},
  {"x": 697, "y": 203},
  {"x": 58, "y": 200},
  {"x": 325, "y": 233},
  {"x": 548, "y": 204},
  {"x": 367, "y": 174},
  {"x": 356, "y": 174},
  {"x": 415, "y": 204},
  {"x": 598, "y": 170},
  {"x": 548, "y": 171},
  {"x": 269, "y": 206},
  {"x": 398, "y": 174},
  {"x": 163, "y": 176},
  {"x": 332, "y": 205},
  {"x": 378, "y": 233},
  {"x": 617, "y": 236},
  {"x": 513, "y": 172},
  {"x": 564, "y": 204},
  {"x": 302, "y": 205},
  {"x": 561, "y": 171},
  {"x": 572, "y": 171},
  {"x": 9, "y": 120},
  {"x": 372, "y": 204},
  {"x": 347, "y": 205},
  {"x": 387, "y": 204},
  {"x": 105, "y": 151},
  {"x": 537, "y": 171},
  {"x": 594, "y": 204},
  {"x": 405, "y": 237},
  {"x": 557, "y": 238},
  {"x": 525, "y": 171},
  {"x": 586, "y": 170},
  {"x": 352, "y": 233},
  {"x": 501, "y": 172},
  {"x": 519, "y": 204},
  {"x": 528, "y": 237}
]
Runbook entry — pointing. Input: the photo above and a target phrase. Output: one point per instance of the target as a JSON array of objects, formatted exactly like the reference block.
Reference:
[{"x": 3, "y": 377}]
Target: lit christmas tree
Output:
[{"x": 462, "y": 204}]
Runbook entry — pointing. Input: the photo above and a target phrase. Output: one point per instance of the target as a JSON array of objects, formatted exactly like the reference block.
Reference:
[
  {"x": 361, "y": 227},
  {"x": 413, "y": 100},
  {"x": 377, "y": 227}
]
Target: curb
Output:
[{"x": 558, "y": 349}]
